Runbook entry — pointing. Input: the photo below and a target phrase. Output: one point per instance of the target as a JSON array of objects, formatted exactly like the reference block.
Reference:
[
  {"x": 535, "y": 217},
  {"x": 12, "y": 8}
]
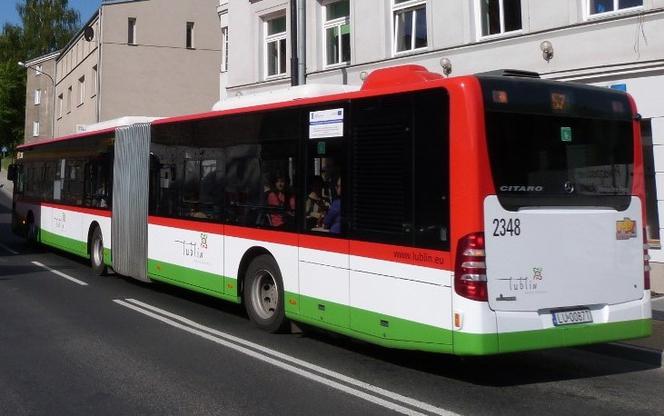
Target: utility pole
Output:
[{"x": 298, "y": 42}]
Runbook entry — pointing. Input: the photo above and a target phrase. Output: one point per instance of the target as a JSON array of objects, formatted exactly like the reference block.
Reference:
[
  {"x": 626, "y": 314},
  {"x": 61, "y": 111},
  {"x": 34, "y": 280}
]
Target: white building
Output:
[{"x": 613, "y": 43}]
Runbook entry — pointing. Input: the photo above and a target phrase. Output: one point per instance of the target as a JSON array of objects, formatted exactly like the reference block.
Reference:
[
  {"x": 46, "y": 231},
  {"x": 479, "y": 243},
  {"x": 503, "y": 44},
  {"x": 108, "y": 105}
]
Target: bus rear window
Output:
[{"x": 560, "y": 158}]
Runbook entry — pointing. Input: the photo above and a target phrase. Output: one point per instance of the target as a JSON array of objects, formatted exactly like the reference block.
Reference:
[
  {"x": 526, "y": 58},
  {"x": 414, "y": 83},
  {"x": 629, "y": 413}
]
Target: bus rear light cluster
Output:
[
  {"x": 646, "y": 263},
  {"x": 470, "y": 270}
]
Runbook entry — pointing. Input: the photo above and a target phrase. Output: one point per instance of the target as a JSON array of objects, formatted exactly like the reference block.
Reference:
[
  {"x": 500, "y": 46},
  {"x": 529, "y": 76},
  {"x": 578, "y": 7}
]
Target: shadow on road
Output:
[{"x": 505, "y": 370}]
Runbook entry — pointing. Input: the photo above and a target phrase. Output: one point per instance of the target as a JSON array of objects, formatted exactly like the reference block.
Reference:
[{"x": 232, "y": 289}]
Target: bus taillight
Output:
[
  {"x": 646, "y": 263},
  {"x": 470, "y": 271}
]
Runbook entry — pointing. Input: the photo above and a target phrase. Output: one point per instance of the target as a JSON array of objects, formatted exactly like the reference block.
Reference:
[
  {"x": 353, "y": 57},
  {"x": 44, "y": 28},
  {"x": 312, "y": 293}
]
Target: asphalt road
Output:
[{"x": 72, "y": 343}]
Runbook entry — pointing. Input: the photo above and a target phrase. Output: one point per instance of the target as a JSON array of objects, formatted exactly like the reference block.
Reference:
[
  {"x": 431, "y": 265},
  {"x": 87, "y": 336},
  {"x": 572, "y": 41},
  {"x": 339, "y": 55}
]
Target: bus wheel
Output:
[
  {"x": 31, "y": 234},
  {"x": 264, "y": 294},
  {"x": 97, "y": 253}
]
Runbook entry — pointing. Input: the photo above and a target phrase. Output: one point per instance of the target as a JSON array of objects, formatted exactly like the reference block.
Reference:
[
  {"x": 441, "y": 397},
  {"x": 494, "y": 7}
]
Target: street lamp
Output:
[{"x": 41, "y": 72}]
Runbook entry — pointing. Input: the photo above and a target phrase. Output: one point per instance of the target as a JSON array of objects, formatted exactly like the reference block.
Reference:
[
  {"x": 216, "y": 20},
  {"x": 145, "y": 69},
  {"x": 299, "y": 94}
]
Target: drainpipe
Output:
[
  {"x": 301, "y": 42},
  {"x": 298, "y": 42}
]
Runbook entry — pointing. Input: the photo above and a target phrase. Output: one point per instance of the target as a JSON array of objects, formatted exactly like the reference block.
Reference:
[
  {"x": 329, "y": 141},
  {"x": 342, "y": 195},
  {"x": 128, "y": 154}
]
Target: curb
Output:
[{"x": 629, "y": 352}]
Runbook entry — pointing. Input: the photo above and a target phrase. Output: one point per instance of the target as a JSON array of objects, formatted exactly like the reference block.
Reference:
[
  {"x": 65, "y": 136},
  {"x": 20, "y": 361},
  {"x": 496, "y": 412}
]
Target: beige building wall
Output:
[
  {"x": 156, "y": 75},
  {"x": 159, "y": 75},
  {"x": 77, "y": 89},
  {"x": 39, "y": 110}
]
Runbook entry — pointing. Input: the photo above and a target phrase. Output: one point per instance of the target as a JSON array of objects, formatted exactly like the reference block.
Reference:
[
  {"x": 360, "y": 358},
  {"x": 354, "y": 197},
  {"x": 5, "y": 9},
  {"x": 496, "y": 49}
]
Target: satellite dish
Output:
[{"x": 88, "y": 33}]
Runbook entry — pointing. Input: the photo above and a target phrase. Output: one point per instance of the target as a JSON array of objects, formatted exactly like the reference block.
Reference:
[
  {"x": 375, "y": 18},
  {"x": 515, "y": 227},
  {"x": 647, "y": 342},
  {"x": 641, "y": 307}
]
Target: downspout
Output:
[
  {"x": 301, "y": 42},
  {"x": 298, "y": 42},
  {"x": 99, "y": 63},
  {"x": 295, "y": 79}
]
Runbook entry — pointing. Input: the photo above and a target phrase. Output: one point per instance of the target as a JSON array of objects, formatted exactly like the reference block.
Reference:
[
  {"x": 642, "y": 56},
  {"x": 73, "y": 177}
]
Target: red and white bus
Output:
[{"x": 472, "y": 215}]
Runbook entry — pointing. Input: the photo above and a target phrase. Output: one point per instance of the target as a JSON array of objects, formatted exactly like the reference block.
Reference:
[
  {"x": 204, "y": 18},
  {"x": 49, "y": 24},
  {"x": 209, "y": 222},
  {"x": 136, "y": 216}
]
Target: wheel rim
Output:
[
  {"x": 97, "y": 252},
  {"x": 264, "y": 294}
]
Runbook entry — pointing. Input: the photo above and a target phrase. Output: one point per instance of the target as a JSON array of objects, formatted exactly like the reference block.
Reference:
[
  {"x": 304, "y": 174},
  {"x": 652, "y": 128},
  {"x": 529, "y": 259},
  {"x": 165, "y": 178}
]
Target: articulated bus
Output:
[{"x": 472, "y": 215}]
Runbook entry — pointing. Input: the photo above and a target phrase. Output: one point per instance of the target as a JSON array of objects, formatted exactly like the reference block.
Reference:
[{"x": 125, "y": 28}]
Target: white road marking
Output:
[
  {"x": 281, "y": 360},
  {"x": 78, "y": 282},
  {"x": 4, "y": 247}
]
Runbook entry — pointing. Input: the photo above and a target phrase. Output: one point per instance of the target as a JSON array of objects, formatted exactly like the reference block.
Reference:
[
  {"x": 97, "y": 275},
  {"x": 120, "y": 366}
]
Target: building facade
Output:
[
  {"x": 39, "y": 98},
  {"x": 610, "y": 43},
  {"x": 139, "y": 58}
]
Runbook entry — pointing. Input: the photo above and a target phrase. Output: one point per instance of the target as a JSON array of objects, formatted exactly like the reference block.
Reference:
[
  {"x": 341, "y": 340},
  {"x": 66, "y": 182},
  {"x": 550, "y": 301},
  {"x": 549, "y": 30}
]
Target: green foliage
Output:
[{"x": 46, "y": 26}]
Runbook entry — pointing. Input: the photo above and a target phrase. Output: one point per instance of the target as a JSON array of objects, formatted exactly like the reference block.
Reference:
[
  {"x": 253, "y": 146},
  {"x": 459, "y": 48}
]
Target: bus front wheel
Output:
[
  {"x": 264, "y": 294},
  {"x": 97, "y": 253},
  {"x": 31, "y": 233}
]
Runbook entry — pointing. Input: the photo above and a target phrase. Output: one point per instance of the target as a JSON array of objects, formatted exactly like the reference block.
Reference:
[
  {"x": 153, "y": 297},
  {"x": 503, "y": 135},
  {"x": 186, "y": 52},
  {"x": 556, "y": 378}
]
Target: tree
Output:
[{"x": 46, "y": 26}]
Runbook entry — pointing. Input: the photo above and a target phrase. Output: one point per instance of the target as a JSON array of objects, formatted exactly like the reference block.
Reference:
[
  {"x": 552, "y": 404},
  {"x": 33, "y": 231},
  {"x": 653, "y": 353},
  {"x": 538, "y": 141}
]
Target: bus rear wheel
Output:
[
  {"x": 264, "y": 294},
  {"x": 97, "y": 253}
]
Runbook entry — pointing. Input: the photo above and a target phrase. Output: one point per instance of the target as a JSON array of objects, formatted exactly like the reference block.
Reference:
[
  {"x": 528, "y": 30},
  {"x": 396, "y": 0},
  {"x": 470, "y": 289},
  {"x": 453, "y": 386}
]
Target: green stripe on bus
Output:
[
  {"x": 369, "y": 323},
  {"x": 209, "y": 283},
  {"x": 67, "y": 244},
  {"x": 108, "y": 258},
  {"x": 394, "y": 332}
]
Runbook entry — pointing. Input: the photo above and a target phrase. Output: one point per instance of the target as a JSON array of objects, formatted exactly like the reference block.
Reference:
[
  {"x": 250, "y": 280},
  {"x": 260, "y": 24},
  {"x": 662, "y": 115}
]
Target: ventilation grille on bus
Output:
[
  {"x": 516, "y": 73},
  {"x": 381, "y": 178}
]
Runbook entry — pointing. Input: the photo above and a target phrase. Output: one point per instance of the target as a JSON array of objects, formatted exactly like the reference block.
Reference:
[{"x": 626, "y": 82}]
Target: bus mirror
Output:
[{"x": 11, "y": 172}]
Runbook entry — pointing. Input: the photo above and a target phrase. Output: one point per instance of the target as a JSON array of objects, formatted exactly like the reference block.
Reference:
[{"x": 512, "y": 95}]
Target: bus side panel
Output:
[
  {"x": 62, "y": 229},
  {"x": 400, "y": 309},
  {"x": 190, "y": 257}
]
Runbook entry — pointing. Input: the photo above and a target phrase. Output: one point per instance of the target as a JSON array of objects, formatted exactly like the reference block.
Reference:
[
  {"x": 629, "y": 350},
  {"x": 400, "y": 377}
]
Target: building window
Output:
[
  {"x": 81, "y": 90},
  {"x": 596, "y": 7},
  {"x": 60, "y": 105},
  {"x": 224, "y": 49},
  {"x": 93, "y": 91},
  {"x": 35, "y": 128},
  {"x": 500, "y": 16},
  {"x": 275, "y": 46},
  {"x": 190, "y": 35},
  {"x": 336, "y": 28},
  {"x": 69, "y": 92},
  {"x": 410, "y": 25},
  {"x": 37, "y": 97},
  {"x": 131, "y": 31}
]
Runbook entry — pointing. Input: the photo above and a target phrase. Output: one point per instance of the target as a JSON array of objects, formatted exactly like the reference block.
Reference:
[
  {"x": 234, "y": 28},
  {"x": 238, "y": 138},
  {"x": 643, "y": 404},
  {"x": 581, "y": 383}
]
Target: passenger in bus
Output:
[
  {"x": 315, "y": 205},
  {"x": 285, "y": 204},
  {"x": 333, "y": 218}
]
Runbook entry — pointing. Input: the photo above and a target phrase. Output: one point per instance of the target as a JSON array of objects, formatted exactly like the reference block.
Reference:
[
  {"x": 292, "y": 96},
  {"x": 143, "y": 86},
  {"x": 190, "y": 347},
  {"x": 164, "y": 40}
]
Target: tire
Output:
[
  {"x": 264, "y": 294},
  {"x": 31, "y": 232},
  {"x": 97, "y": 253}
]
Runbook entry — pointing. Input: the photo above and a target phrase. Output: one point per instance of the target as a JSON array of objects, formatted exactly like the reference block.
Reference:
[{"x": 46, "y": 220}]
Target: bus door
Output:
[{"x": 323, "y": 258}]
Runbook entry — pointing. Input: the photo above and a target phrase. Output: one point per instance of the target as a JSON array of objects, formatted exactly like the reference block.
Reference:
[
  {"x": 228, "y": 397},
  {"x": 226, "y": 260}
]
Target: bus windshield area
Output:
[{"x": 562, "y": 149}]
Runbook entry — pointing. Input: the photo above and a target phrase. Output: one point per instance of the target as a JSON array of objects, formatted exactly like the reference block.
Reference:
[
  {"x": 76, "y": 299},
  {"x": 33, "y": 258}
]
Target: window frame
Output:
[
  {"x": 335, "y": 23},
  {"x": 615, "y": 11},
  {"x": 131, "y": 31},
  {"x": 81, "y": 91},
  {"x": 37, "y": 97},
  {"x": 406, "y": 6},
  {"x": 190, "y": 39},
  {"x": 61, "y": 99},
  {"x": 94, "y": 75},
  {"x": 35, "y": 128},
  {"x": 274, "y": 38},
  {"x": 70, "y": 91},
  {"x": 503, "y": 32}
]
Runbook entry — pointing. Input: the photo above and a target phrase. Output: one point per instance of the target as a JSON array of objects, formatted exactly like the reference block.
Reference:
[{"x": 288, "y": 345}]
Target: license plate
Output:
[{"x": 577, "y": 316}]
